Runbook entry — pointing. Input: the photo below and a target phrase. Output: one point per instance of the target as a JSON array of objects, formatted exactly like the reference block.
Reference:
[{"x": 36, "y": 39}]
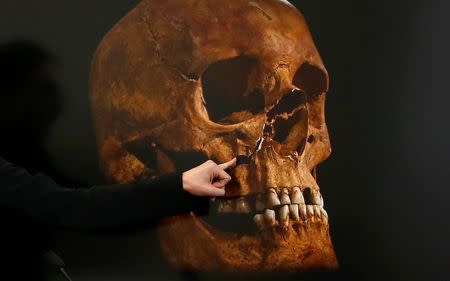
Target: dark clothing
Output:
[{"x": 32, "y": 203}]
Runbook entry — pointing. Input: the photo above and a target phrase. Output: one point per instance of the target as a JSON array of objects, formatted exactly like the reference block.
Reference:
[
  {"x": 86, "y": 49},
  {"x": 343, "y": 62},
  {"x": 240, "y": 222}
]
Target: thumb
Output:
[{"x": 215, "y": 191}]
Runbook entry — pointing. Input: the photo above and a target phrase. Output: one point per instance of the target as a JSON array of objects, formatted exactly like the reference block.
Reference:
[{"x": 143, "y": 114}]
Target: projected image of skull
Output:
[{"x": 175, "y": 83}]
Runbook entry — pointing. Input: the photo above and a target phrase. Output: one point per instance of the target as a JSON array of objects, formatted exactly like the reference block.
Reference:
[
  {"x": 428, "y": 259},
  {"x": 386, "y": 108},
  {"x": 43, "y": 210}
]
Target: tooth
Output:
[
  {"x": 284, "y": 215},
  {"x": 317, "y": 212},
  {"x": 242, "y": 206},
  {"x": 324, "y": 214},
  {"x": 321, "y": 201},
  {"x": 297, "y": 196},
  {"x": 259, "y": 205},
  {"x": 302, "y": 209},
  {"x": 293, "y": 208},
  {"x": 310, "y": 211},
  {"x": 272, "y": 198},
  {"x": 259, "y": 220},
  {"x": 316, "y": 197},
  {"x": 285, "y": 197},
  {"x": 269, "y": 216},
  {"x": 228, "y": 206}
]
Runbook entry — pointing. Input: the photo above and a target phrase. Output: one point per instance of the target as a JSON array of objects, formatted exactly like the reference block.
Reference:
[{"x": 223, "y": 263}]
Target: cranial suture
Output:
[{"x": 177, "y": 82}]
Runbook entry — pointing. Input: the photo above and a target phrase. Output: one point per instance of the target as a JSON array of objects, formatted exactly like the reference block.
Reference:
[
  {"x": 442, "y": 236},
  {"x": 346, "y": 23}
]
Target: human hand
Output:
[{"x": 208, "y": 179}]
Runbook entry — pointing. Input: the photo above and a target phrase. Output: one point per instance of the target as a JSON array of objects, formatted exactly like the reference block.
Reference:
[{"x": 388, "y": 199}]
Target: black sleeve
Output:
[{"x": 118, "y": 206}]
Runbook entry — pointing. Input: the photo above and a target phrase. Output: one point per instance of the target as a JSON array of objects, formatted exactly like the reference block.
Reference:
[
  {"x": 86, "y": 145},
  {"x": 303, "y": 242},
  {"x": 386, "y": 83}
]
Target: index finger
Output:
[{"x": 228, "y": 164}]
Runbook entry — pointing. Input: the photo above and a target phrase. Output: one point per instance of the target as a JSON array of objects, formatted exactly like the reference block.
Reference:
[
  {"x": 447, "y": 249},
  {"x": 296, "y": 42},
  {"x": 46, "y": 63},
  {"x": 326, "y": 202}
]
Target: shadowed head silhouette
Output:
[{"x": 30, "y": 100}]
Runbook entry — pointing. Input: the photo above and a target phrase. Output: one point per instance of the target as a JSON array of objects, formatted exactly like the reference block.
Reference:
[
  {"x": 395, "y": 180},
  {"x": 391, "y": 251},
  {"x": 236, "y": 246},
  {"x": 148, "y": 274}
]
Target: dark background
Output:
[{"x": 385, "y": 185}]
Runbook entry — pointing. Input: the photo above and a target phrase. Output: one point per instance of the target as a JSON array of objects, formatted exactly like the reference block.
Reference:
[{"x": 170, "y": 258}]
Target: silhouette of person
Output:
[
  {"x": 32, "y": 204},
  {"x": 30, "y": 101}
]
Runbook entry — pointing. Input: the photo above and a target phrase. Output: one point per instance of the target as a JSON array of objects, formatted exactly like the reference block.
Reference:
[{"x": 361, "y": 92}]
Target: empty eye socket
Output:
[
  {"x": 311, "y": 79},
  {"x": 226, "y": 90}
]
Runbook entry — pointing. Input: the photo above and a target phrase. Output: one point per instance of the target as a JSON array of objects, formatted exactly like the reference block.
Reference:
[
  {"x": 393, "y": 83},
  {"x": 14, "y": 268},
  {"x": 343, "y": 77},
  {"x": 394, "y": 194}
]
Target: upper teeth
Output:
[
  {"x": 297, "y": 196},
  {"x": 284, "y": 209},
  {"x": 272, "y": 198},
  {"x": 285, "y": 200}
]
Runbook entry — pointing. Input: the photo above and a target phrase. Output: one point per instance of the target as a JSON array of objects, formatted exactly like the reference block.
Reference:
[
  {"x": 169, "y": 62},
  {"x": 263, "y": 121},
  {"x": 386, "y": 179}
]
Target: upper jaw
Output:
[{"x": 286, "y": 208}]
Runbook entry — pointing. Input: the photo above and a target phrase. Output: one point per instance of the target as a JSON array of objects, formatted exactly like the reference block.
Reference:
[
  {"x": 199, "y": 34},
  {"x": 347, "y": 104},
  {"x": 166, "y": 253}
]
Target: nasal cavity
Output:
[{"x": 291, "y": 101}]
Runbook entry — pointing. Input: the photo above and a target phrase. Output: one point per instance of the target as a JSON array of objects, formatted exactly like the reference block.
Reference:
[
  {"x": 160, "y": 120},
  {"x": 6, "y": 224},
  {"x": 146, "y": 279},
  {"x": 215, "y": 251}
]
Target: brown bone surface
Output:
[{"x": 177, "y": 82}]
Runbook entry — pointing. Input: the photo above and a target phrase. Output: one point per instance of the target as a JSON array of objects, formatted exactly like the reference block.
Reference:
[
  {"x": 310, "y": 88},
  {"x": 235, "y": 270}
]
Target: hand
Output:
[{"x": 208, "y": 179}]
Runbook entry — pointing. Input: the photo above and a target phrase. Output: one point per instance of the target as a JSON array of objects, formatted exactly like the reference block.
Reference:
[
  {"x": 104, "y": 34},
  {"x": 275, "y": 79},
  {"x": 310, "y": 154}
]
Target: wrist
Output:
[{"x": 184, "y": 182}]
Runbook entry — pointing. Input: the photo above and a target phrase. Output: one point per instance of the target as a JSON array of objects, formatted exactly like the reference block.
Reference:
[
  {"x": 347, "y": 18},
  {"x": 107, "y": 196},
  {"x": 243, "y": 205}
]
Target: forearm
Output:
[
  {"x": 117, "y": 206},
  {"x": 99, "y": 207}
]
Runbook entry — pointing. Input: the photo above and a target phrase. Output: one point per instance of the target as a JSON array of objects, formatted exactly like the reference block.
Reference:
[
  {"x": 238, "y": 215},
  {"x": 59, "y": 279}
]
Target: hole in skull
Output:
[
  {"x": 296, "y": 125},
  {"x": 226, "y": 91},
  {"x": 242, "y": 159},
  {"x": 288, "y": 103},
  {"x": 186, "y": 160},
  {"x": 311, "y": 79},
  {"x": 144, "y": 150},
  {"x": 307, "y": 194},
  {"x": 311, "y": 138}
]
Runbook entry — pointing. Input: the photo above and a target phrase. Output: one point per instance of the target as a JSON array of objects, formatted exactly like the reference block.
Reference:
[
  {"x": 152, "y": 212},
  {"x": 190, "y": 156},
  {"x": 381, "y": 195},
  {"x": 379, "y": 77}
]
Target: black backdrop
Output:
[{"x": 385, "y": 184}]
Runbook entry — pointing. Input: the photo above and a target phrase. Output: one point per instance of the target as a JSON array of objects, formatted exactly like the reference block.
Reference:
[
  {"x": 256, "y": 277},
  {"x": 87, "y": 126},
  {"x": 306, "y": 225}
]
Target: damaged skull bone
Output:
[{"x": 175, "y": 83}]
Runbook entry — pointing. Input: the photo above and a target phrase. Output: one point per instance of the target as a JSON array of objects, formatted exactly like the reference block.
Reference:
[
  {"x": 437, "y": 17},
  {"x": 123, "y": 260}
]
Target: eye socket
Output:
[
  {"x": 311, "y": 79},
  {"x": 226, "y": 90}
]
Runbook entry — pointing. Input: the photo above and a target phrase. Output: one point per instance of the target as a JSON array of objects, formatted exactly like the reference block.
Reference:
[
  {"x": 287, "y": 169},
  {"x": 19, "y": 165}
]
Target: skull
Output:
[{"x": 177, "y": 82}]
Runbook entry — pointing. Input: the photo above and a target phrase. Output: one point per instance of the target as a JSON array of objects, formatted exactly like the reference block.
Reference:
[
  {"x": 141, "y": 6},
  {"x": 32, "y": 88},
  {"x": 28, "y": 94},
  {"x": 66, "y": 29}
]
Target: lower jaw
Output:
[{"x": 191, "y": 244}]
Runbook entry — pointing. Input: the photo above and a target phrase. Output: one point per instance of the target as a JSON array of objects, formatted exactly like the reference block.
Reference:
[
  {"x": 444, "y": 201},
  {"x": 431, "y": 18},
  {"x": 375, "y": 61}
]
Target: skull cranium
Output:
[{"x": 177, "y": 82}]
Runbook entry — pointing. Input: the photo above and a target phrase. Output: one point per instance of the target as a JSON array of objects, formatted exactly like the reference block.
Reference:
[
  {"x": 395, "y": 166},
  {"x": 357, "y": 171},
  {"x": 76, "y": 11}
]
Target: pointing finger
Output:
[{"x": 228, "y": 164}]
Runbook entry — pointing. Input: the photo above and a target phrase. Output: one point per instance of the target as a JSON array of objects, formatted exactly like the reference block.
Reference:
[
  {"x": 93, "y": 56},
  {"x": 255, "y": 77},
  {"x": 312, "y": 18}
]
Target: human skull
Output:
[{"x": 177, "y": 82}]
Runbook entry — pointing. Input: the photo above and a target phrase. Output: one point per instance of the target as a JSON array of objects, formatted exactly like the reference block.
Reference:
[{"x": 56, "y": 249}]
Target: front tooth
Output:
[
  {"x": 272, "y": 198},
  {"x": 317, "y": 212},
  {"x": 259, "y": 220},
  {"x": 316, "y": 197},
  {"x": 228, "y": 206},
  {"x": 285, "y": 200},
  {"x": 259, "y": 205},
  {"x": 303, "y": 213},
  {"x": 297, "y": 196},
  {"x": 293, "y": 208},
  {"x": 310, "y": 211},
  {"x": 269, "y": 216},
  {"x": 284, "y": 215},
  {"x": 242, "y": 206},
  {"x": 324, "y": 214},
  {"x": 321, "y": 201}
]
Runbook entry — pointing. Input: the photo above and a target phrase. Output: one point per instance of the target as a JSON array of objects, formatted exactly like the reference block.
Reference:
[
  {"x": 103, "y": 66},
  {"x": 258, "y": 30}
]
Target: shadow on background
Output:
[{"x": 30, "y": 101}]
